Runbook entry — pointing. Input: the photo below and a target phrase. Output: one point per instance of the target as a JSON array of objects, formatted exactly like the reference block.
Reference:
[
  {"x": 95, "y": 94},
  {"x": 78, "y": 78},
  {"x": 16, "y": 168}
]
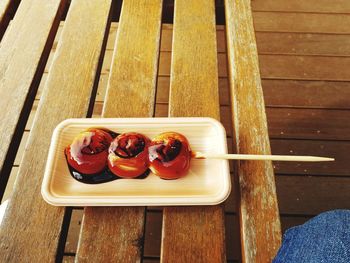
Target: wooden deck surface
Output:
[{"x": 304, "y": 53}]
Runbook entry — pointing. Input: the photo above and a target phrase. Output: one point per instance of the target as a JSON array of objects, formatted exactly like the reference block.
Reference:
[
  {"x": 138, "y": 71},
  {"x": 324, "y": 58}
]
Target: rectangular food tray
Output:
[{"x": 207, "y": 182}]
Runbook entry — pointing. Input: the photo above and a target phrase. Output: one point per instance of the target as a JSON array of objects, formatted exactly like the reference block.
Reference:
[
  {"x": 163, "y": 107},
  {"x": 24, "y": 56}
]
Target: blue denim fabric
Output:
[{"x": 324, "y": 238}]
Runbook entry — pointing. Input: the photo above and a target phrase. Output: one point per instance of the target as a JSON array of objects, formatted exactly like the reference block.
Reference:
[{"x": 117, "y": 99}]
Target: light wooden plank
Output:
[
  {"x": 319, "y": 6},
  {"x": 34, "y": 23},
  {"x": 305, "y": 67},
  {"x": 163, "y": 88},
  {"x": 21, "y": 148},
  {"x": 10, "y": 184},
  {"x": 303, "y": 44},
  {"x": 30, "y": 224},
  {"x": 192, "y": 234},
  {"x": 68, "y": 259},
  {"x": 259, "y": 218},
  {"x": 302, "y": 22},
  {"x": 167, "y": 38},
  {"x": 116, "y": 234},
  {"x": 6, "y": 8},
  {"x": 165, "y": 61}
]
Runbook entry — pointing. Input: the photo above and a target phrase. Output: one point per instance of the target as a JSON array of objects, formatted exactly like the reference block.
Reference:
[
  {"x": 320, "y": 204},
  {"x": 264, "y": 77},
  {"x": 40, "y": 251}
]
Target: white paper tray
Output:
[{"x": 207, "y": 183}]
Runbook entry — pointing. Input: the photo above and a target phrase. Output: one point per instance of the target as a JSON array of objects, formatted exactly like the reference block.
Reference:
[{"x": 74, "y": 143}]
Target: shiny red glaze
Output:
[
  {"x": 167, "y": 159},
  {"x": 128, "y": 155},
  {"x": 93, "y": 157}
]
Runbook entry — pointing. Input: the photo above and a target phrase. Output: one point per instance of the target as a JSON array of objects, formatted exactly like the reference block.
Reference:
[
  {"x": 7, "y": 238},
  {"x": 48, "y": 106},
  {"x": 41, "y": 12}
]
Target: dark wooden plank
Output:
[
  {"x": 337, "y": 149},
  {"x": 299, "y": 123},
  {"x": 36, "y": 24},
  {"x": 282, "y": 93},
  {"x": 303, "y": 44},
  {"x": 302, "y": 22},
  {"x": 30, "y": 224},
  {"x": 232, "y": 232},
  {"x": 290, "y": 221},
  {"x": 304, "y": 67},
  {"x": 274, "y": 66},
  {"x": 194, "y": 92},
  {"x": 73, "y": 231},
  {"x": 153, "y": 233},
  {"x": 258, "y": 209},
  {"x": 311, "y": 195},
  {"x": 309, "y": 123},
  {"x": 307, "y": 195},
  {"x": 320, "y": 6},
  {"x": 115, "y": 234},
  {"x": 306, "y": 94}
]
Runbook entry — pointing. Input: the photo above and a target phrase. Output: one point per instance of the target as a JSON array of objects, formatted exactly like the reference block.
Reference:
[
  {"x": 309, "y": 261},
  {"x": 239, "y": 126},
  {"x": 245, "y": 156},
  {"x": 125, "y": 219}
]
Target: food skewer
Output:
[
  {"x": 289, "y": 158},
  {"x": 99, "y": 155}
]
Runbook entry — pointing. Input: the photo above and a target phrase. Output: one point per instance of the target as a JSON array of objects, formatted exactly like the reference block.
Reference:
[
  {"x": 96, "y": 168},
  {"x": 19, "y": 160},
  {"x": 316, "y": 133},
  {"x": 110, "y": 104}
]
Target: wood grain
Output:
[
  {"x": 281, "y": 93},
  {"x": 194, "y": 92},
  {"x": 303, "y": 194},
  {"x": 306, "y": 94},
  {"x": 284, "y": 123},
  {"x": 5, "y": 10},
  {"x": 4, "y": 6},
  {"x": 309, "y": 123},
  {"x": 258, "y": 208},
  {"x": 28, "y": 64},
  {"x": 302, "y": 22},
  {"x": 319, "y": 6},
  {"x": 303, "y": 44},
  {"x": 116, "y": 234},
  {"x": 30, "y": 224},
  {"x": 304, "y": 67},
  {"x": 337, "y": 149}
]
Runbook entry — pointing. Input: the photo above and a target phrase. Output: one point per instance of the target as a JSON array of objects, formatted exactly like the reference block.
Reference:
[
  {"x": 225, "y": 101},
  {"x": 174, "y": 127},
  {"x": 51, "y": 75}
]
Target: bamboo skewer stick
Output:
[{"x": 289, "y": 158}]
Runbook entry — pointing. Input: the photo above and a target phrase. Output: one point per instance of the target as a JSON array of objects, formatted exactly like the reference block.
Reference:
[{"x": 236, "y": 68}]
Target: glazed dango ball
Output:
[
  {"x": 169, "y": 155},
  {"x": 89, "y": 150},
  {"x": 128, "y": 155}
]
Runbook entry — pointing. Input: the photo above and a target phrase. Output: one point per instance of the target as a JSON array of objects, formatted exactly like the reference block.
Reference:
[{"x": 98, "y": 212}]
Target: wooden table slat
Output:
[
  {"x": 34, "y": 23},
  {"x": 7, "y": 12},
  {"x": 194, "y": 234},
  {"x": 116, "y": 234},
  {"x": 31, "y": 228},
  {"x": 312, "y": 6},
  {"x": 259, "y": 218}
]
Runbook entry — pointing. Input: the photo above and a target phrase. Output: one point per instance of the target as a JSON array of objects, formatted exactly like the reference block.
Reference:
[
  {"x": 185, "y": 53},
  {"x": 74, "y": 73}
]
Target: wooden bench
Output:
[{"x": 32, "y": 229}]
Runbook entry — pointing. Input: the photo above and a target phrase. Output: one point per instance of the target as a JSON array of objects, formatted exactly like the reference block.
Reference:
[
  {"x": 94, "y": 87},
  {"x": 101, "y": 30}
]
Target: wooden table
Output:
[{"x": 32, "y": 229}]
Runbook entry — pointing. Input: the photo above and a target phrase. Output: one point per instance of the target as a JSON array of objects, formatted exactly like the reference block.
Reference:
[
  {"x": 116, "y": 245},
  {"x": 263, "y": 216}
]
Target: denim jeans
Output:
[{"x": 324, "y": 238}]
